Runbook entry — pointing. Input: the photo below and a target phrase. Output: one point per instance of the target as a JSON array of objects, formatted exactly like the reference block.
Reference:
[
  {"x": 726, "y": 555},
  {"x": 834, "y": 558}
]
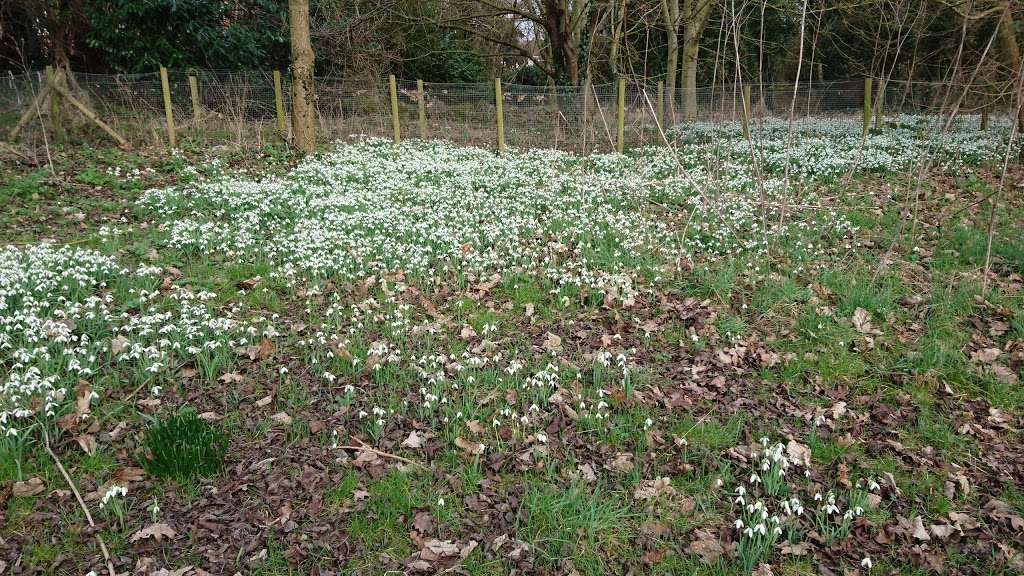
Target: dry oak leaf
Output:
[
  {"x": 623, "y": 462},
  {"x": 282, "y": 418},
  {"x": 920, "y": 532},
  {"x": 552, "y": 342},
  {"x": 1000, "y": 510},
  {"x": 29, "y": 487},
  {"x": 650, "y": 489},
  {"x": 706, "y": 545},
  {"x": 118, "y": 344},
  {"x": 415, "y": 440},
  {"x": 862, "y": 322},
  {"x": 129, "y": 474},
  {"x": 798, "y": 549},
  {"x": 799, "y": 453},
  {"x": 472, "y": 448},
  {"x": 156, "y": 531}
]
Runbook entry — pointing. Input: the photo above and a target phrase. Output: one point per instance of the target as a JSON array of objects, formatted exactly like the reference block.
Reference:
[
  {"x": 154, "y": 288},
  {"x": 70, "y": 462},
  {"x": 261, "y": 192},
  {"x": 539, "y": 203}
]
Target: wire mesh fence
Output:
[{"x": 240, "y": 108}]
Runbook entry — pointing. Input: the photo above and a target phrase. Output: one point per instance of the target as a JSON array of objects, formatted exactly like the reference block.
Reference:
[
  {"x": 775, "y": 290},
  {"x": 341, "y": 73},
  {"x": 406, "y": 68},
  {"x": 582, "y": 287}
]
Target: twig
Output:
[
  {"x": 81, "y": 502},
  {"x": 364, "y": 447}
]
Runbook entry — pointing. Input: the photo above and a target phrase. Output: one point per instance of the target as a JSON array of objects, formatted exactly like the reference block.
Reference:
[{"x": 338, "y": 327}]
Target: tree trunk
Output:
[
  {"x": 303, "y": 97},
  {"x": 1010, "y": 49},
  {"x": 564, "y": 52},
  {"x": 670, "y": 17},
  {"x": 695, "y": 18},
  {"x": 619, "y": 24}
]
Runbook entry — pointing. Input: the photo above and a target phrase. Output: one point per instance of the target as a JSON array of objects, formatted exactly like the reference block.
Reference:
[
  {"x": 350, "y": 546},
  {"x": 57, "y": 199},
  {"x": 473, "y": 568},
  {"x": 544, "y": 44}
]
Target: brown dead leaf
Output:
[
  {"x": 650, "y": 489},
  {"x": 942, "y": 531},
  {"x": 706, "y": 545},
  {"x": 282, "y": 418},
  {"x": 83, "y": 397},
  {"x": 799, "y": 549},
  {"x": 423, "y": 522},
  {"x": 1000, "y": 510},
  {"x": 471, "y": 448},
  {"x": 552, "y": 342},
  {"x": 415, "y": 440},
  {"x": 622, "y": 462},
  {"x": 919, "y": 531},
  {"x": 156, "y": 531},
  {"x": 799, "y": 453},
  {"x": 129, "y": 474},
  {"x": 862, "y": 322},
  {"x": 962, "y": 521},
  {"x": 250, "y": 283},
  {"x": 117, "y": 345},
  {"x": 87, "y": 442},
  {"x": 29, "y": 487}
]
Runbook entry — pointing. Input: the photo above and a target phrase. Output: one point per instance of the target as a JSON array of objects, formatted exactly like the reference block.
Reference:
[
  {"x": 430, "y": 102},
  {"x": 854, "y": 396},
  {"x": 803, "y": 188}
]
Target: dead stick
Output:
[
  {"x": 81, "y": 502},
  {"x": 37, "y": 102},
  {"x": 92, "y": 116},
  {"x": 383, "y": 454}
]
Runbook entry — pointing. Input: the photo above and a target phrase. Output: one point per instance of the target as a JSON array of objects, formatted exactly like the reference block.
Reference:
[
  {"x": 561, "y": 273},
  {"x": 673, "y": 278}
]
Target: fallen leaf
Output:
[
  {"x": 156, "y": 531},
  {"x": 473, "y": 448},
  {"x": 129, "y": 474},
  {"x": 862, "y": 322},
  {"x": 650, "y": 489},
  {"x": 117, "y": 345},
  {"x": 552, "y": 342},
  {"x": 920, "y": 532},
  {"x": 282, "y": 418},
  {"x": 415, "y": 440},
  {"x": 87, "y": 442},
  {"x": 797, "y": 549},
  {"x": 423, "y": 522},
  {"x": 29, "y": 487},
  {"x": 705, "y": 545},
  {"x": 799, "y": 453},
  {"x": 942, "y": 531},
  {"x": 623, "y": 462}
]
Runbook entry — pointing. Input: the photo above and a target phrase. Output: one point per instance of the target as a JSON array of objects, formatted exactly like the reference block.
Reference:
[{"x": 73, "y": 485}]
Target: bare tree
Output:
[{"x": 695, "y": 18}]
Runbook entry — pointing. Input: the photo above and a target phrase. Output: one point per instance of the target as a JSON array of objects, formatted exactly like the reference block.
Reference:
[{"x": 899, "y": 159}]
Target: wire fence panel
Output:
[{"x": 240, "y": 107}]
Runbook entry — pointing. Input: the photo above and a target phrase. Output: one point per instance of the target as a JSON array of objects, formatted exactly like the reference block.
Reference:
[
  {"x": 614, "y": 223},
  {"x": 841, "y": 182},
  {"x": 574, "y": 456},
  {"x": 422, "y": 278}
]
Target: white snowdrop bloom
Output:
[{"x": 866, "y": 563}]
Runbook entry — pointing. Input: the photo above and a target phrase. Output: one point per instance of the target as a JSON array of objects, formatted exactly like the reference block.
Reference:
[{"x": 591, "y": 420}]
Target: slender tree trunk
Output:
[
  {"x": 619, "y": 24},
  {"x": 303, "y": 96},
  {"x": 1010, "y": 49},
  {"x": 695, "y": 18},
  {"x": 670, "y": 17}
]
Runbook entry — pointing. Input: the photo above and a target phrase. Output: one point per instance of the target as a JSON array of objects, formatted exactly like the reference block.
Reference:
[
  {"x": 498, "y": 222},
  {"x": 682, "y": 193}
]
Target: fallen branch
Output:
[
  {"x": 364, "y": 447},
  {"x": 81, "y": 502}
]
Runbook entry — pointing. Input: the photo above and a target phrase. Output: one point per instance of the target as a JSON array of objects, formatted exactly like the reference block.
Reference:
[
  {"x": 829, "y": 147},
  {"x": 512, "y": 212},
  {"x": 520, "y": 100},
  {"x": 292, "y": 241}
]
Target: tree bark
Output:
[
  {"x": 695, "y": 18},
  {"x": 1010, "y": 49},
  {"x": 670, "y": 17},
  {"x": 303, "y": 96}
]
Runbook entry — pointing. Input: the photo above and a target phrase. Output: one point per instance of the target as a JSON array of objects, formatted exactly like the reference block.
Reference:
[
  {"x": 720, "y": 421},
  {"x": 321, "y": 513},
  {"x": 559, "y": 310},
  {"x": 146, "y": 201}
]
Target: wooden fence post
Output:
[
  {"x": 422, "y": 105},
  {"x": 172, "y": 138},
  {"x": 499, "y": 106},
  {"x": 880, "y": 104},
  {"x": 193, "y": 88},
  {"x": 396, "y": 125},
  {"x": 746, "y": 111},
  {"x": 620, "y": 144},
  {"x": 984, "y": 118},
  {"x": 660, "y": 111},
  {"x": 282, "y": 127},
  {"x": 867, "y": 104}
]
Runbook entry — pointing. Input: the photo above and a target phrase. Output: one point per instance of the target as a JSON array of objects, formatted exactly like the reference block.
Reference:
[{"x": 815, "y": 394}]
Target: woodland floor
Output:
[{"x": 883, "y": 366}]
